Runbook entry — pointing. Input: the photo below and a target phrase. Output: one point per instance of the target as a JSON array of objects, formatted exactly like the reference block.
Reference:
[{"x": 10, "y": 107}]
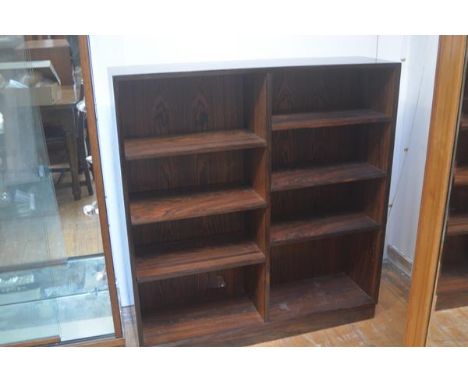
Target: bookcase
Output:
[
  {"x": 256, "y": 198},
  {"x": 452, "y": 286}
]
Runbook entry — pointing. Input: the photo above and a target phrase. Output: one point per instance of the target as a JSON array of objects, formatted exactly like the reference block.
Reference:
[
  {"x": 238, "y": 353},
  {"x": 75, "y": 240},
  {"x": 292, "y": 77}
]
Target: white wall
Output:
[
  {"x": 122, "y": 53},
  {"x": 417, "y": 82}
]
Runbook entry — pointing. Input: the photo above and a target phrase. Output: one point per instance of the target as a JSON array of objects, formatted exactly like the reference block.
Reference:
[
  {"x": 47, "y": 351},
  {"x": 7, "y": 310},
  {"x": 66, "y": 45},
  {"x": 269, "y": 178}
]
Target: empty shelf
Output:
[
  {"x": 147, "y": 209},
  {"x": 180, "y": 259},
  {"x": 309, "y": 177},
  {"x": 461, "y": 176},
  {"x": 327, "y": 119},
  {"x": 144, "y": 148},
  {"x": 314, "y": 296},
  {"x": 292, "y": 305},
  {"x": 181, "y": 325},
  {"x": 303, "y": 230},
  {"x": 457, "y": 225}
]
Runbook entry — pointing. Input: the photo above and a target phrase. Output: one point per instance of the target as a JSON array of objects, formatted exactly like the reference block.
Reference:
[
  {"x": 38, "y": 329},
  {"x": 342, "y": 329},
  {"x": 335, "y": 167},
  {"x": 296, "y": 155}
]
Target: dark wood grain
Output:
[
  {"x": 454, "y": 280},
  {"x": 198, "y": 143},
  {"x": 193, "y": 173},
  {"x": 257, "y": 117},
  {"x": 461, "y": 176},
  {"x": 457, "y": 225},
  {"x": 180, "y": 259},
  {"x": 379, "y": 91},
  {"x": 194, "y": 289},
  {"x": 302, "y": 230},
  {"x": 226, "y": 225},
  {"x": 452, "y": 286},
  {"x": 168, "y": 106},
  {"x": 317, "y": 239},
  {"x": 146, "y": 210},
  {"x": 318, "y": 176},
  {"x": 464, "y": 121},
  {"x": 320, "y": 257},
  {"x": 325, "y": 200},
  {"x": 174, "y": 325},
  {"x": 320, "y": 294},
  {"x": 329, "y": 92},
  {"x": 321, "y": 147},
  {"x": 326, "y": 119},
  {"x": 295, "y": 308}
]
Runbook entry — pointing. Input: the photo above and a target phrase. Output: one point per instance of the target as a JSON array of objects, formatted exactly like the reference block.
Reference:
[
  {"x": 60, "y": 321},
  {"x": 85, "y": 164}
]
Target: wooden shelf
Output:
[
  {"x": 457, "y": 225},
  {"x": 461, "y": 176},
  {"x": 147, "y": 209},
  {"x": 180, "y": 259},
  {"x": 294, "y": 306},
  {"x": 318, "y": 176},
  {"x": 454, "y": 280},
  {"x": 327, "y": 119},
  {"x": 176, "y": 326},
  {"x": 316, "y": 295},
  {"x": 198, "y": 143},
  {"x": 302, "y": 230}
]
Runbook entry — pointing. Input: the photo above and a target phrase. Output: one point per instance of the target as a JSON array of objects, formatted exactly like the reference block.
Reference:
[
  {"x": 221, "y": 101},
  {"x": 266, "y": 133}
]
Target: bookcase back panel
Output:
[
  {"x": 204, "y": 227},
  {"x": 455, "y": 252},
  {"x": 378, "y": 146},
  {"x": 458, "y": 200},
  {"x": 323, "y": 200},
  {"x": 331, "y": 89},
  {"x": 462, "y": 149},
  {"x": 316, "y": 147},
  {"x": 187, "y": 172},
  {"x": 317, "y": 89},
  {"x": 314, "y": 258},
  {"x": 365, "y": 257},
  {"x": 352, "y": 254},
  {"x": 379, "y": 89},
  {"x": 192, "y": 290},
  {"x": 171, "y": 106}
]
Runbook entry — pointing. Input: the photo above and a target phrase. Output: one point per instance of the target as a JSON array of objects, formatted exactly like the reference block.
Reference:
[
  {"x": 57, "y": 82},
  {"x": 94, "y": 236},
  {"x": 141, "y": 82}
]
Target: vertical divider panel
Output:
[{"x": 257, "y": 115}]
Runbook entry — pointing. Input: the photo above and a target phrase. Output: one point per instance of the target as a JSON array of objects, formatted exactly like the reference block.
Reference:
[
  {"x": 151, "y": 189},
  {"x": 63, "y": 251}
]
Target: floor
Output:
[
  {"x": 449, "y": 328},
  {"x": 49, "y": 238},
  {"x": 76, "y": 225},
  {"x": 385, "y": 329}
]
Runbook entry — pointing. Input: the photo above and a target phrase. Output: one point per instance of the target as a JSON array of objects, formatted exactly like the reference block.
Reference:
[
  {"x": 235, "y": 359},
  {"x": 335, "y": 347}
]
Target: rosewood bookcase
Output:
[{"x": 256, "y": 199}]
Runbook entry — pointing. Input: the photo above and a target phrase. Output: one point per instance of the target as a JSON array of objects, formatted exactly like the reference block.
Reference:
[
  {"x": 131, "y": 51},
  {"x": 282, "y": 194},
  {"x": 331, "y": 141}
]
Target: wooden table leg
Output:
[
  {"x": 74, "y": 166},
  {"x": 63, "y": 115}
]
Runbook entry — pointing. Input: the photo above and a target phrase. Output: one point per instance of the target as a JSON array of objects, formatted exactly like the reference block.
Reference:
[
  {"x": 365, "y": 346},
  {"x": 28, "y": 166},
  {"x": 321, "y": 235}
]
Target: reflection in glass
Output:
[
  {"x": 53, "y": 282},
  {"x": 449, "y": 320}
]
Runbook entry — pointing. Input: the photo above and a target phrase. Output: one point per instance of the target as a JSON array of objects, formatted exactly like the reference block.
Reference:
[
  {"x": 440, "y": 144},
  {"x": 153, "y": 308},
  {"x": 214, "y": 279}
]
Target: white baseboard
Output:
[{"x": 398, "y": 259}]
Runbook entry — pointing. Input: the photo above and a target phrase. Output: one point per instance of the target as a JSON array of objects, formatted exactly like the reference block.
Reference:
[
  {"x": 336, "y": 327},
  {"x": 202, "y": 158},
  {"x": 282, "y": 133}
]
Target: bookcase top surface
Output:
[{"x": 197, "y": 68}]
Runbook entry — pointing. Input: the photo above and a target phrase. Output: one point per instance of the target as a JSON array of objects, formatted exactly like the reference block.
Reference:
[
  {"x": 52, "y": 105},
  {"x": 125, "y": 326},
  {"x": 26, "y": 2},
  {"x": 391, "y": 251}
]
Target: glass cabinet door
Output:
[{"x": 53, "y": 282}]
